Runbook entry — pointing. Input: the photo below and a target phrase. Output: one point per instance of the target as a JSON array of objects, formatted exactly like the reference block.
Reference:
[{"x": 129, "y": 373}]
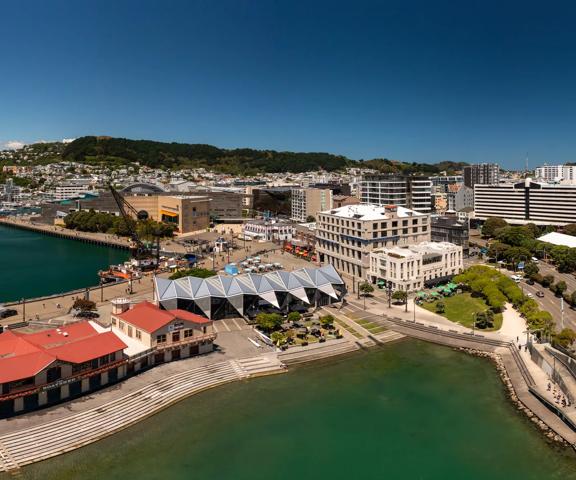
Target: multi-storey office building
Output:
[
  {"x": 526, "y": 202},
  {"x": 556, "y": 173},
  {"x": 415, "y": 266},
  {"x": 483, "y": 174},
  {"x": 347, "y": 235},
  {"x": 450, "y": 229},
  {"x": 414, "y": 193},
  {"x": 308, "y": 202}
]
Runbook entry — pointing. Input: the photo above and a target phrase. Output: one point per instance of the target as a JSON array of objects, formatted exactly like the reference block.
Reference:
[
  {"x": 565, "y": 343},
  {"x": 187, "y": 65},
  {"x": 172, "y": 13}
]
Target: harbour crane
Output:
[{"x": 140, "y": 252}]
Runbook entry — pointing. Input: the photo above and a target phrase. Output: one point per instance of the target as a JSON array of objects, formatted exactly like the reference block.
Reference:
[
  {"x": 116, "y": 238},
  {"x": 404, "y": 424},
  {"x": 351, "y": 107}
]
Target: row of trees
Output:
[
  {"x": 497, "y": 289},
  {"x": 91, "y": 221}
]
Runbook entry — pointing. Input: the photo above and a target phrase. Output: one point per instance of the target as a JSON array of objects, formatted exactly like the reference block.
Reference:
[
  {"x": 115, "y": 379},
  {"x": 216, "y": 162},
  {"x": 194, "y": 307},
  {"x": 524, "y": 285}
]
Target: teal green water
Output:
[
  {"x": 409, "y": 411},
  {"x": 33, "y": 265}
]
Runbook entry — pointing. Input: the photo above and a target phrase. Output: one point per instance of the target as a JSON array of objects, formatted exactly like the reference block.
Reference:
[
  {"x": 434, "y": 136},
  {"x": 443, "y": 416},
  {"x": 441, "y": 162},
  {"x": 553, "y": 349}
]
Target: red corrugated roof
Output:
[
  {"x": 19, "y": 367},
  {"x": 191, "y": 317},
  {"x": 23, "y": 355},
  {"x": 89, "y": 348},
  {"x": 149, "y": 317}
]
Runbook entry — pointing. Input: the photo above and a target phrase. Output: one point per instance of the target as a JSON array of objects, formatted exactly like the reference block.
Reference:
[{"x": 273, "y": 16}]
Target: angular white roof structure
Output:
[{"x": 280, "y": 289}]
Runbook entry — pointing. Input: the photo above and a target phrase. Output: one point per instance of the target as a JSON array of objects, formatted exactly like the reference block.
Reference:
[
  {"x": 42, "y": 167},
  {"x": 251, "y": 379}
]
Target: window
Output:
[
  {"x": 53, "y": 374},
  {"x": 129, "y": 330},
  {"x": 176, "y": 337},
  {"x": 121, "y": 325},
  {"x": 113, "y": 320},
  {"x": 106, "y": 359},
  {"x": 188, "y": 333},
  {"x": 204, "y": 330},
  {"x": 161, "y": 338},
  {"x": 138, "y": 334}
]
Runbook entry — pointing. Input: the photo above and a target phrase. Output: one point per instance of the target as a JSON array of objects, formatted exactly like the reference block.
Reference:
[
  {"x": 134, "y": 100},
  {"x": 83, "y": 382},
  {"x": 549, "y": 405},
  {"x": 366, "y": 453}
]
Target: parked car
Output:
[
  {"x": 539, "y": 294},
  {"x": 8, "y": 312},
  {"x": 530, "y": 281},
  {"x": 88, "y": 314}
]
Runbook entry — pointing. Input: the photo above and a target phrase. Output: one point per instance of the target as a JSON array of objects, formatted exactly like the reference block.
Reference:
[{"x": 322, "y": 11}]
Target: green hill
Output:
[
  {"x": 122, "y": 151},
  {"x": 177, "y": 155}
]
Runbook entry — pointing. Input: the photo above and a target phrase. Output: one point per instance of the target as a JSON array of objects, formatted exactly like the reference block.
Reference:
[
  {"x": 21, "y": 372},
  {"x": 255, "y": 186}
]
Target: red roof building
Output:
[
  {"x": 32, "y": 360},
  {"x": 157, "y": 328}
]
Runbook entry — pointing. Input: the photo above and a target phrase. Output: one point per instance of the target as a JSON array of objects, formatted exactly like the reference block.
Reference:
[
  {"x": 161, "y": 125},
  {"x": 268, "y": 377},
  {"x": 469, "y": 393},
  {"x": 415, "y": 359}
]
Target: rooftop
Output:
[
  {"x": 23, "y": 355},
  {"x": 556, "y": 238},
  {"x": 421, "y": 248},
  {"x": 149, "y": 317},
  {"x": 372, "y": 212}
]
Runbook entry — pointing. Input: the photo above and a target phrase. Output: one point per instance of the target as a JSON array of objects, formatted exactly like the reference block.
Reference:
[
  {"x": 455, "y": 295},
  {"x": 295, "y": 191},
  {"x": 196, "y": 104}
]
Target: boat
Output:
[{"x": 119, "y": 273}]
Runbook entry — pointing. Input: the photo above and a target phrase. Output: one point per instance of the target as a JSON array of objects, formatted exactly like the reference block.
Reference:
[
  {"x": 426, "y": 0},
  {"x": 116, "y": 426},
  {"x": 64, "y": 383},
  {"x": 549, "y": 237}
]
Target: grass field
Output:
[{"x": 461, "y": 309}]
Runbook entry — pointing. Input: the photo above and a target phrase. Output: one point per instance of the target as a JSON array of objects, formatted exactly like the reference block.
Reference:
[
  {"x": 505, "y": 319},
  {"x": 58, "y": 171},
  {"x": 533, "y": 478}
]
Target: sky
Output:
[{"x": 417, "y": 81}]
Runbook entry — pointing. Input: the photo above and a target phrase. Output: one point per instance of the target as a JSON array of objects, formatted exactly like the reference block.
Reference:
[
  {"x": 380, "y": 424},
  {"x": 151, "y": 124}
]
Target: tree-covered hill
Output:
[
  {"x": 122, "y": 151},
  {"x": 174, "y": 155}
]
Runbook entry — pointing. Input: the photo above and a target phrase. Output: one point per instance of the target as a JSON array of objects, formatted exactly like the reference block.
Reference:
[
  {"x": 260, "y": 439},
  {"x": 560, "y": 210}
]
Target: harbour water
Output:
[
  {"x": 410, "y": 410},
  {"x": 33, "y": 264}
]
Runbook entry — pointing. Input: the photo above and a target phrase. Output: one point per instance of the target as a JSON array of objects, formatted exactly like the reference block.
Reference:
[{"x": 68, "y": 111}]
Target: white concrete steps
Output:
[
  {"x": 389, "y": 336},
  {"x": 68, "y": 433},
  {"x": 297, "y": 355}
]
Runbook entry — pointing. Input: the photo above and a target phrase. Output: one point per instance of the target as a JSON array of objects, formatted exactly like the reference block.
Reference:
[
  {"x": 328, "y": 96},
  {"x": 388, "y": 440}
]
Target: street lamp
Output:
[{"x": 414, "y": 308}]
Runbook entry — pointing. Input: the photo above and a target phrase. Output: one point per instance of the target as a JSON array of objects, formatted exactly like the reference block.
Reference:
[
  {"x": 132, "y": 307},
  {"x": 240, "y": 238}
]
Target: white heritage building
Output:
[{"x": 413, "y": 267}]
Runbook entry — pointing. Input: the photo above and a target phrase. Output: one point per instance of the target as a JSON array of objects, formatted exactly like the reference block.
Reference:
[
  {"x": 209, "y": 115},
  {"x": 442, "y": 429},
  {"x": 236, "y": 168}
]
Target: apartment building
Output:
[
  {"x": 414, "y": 267},
  {"x": 556, "y": 173},
  {"x": 308, "y": 202},
  {"x": 527, "y": 202},
  {"x": 66, "y": 191},
  {"x": 347, "y": 235},
  {"x": 482, "y": 174},
  {"x": 410, "y": 192}
]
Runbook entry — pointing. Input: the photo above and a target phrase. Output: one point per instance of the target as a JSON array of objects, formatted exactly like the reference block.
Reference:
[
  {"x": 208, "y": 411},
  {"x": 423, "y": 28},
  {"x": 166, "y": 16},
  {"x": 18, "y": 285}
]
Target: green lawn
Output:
[{"x": 461, "y": 308}]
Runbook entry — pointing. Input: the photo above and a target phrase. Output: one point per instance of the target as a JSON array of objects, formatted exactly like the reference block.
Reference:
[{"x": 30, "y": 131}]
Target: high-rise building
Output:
[
  {"x": 308, "y": 202},
  {"x": 410, "y": 192},
  {"x": 481, "y": 174},
  {"x": 526, "y": 202},
  {"x": 346, "y": 235}
]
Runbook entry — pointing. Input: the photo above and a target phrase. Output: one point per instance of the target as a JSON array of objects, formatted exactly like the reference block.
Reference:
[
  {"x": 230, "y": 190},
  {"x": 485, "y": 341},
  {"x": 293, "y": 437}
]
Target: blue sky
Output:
[{"x": 410, "y": 80}]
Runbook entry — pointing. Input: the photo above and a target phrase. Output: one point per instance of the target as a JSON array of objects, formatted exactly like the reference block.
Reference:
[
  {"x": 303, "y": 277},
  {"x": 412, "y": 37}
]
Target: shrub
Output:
[
  {"x": 327, "y": 320},
  {"x": 84, "y": 305},
  {"x": 294, "y": 317},
  {"x": 269, "y": 321},
  {"x": 440, "y": 307},
  {"x": 547, "y": 280}
]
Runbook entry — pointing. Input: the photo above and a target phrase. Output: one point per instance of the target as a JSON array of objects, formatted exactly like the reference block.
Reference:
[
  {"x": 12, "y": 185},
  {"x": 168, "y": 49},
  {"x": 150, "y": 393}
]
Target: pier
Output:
[{"x": 102, "y": 239}]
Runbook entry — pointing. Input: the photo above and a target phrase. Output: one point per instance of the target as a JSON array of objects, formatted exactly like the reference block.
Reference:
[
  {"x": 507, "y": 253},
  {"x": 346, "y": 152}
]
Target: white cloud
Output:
[{"x": 12, "y": 145}]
